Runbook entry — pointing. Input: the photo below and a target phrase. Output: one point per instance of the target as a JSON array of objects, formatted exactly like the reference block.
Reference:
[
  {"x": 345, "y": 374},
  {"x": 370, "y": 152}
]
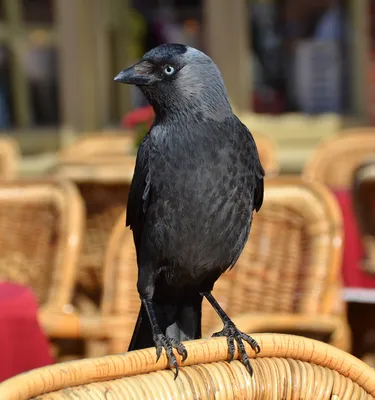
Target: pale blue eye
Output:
[{"x": 169, "y": 70}]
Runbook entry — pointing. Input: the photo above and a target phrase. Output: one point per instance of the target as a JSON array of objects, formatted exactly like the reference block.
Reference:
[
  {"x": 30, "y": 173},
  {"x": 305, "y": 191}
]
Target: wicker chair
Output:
[
  {"x": 102, "y": 170},
  {"x": 334, "y": 161},
  {"x": 363, "y": 192},
  {"x": 108, "y": 331},
  {"x": 288, "y": 367},
  {"x": 9, "y": 158},
  {"x": 287, "y": 276},
  {"x": 41, "y": 224},
  {"x": 102, "y": 167}
]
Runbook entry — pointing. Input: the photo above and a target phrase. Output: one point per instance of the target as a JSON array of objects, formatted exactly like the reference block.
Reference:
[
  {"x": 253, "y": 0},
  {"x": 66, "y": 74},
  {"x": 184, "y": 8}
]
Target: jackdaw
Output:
[{"x": 196, "y": 182}]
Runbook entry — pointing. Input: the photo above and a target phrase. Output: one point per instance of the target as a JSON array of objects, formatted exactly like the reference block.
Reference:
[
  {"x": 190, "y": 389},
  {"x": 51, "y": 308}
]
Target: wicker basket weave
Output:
[
  {"x": 288, "y": 368},
  {"x": 41, "y": 224}
]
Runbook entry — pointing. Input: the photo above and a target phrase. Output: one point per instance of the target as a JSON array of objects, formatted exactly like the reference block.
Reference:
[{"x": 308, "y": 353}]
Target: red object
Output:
[
  {"x": 353, "y": 275},
  {"x": 273, "y": 103},
  {"x": 23, "y": 346},
  {"x": 138, "y": 116}
]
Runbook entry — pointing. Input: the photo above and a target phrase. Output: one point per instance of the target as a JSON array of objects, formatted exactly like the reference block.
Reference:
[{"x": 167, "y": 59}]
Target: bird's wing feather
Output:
[
  {"x": 139, "y": 193},
  {"x": 259, "y": 171},
  {"x": 259, "y": 193}
]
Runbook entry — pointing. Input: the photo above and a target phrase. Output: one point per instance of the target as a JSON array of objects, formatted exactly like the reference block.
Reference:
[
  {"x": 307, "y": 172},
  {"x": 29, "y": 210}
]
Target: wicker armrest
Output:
[
  {"x": 73, "y": 325},
  {"x": 335, "y": 326},
  {"x": 288, "y": 367}
]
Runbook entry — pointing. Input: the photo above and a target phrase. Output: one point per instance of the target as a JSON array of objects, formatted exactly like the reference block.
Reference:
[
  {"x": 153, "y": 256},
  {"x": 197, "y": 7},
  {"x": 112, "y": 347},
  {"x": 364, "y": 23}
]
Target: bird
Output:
[{"x": 197, "y": 181}]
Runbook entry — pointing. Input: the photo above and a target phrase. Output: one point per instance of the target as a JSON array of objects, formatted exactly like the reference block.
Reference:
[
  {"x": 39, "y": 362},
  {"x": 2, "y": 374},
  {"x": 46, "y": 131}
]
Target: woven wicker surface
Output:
[
  {"x": 289, "y": 266},
  {"x": 104, "y": 205},
  {"x": 288, "y": 367},
  {"x": 121, "y": 297},
  {"x": 334, "y": 161},
  {"x": 104, "y": 188},
  {"x": 9, "y": 157},
  {"x": 291, "y": 261},
  {"x": 41, "y": 228}
]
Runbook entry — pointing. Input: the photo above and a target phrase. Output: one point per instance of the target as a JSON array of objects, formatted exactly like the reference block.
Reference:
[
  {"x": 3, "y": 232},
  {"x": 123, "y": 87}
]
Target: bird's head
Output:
[{"x": 175, "y": 77}]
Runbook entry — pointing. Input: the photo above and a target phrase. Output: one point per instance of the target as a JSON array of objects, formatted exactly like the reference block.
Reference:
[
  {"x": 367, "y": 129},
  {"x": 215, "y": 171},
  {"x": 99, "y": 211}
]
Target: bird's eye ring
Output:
[{"x": 168, "y": 70}]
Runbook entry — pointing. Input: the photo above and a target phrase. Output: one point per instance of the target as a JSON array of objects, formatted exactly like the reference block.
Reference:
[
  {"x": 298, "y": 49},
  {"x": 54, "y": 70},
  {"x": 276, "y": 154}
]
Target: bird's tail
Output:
[{"x": 178, "y": 320}]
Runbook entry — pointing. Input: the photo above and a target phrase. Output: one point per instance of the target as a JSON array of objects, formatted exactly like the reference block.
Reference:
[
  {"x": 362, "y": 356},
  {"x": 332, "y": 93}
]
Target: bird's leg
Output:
[
  {"x": 232, "y": 334},
  {"x": 163, "y": 341}
]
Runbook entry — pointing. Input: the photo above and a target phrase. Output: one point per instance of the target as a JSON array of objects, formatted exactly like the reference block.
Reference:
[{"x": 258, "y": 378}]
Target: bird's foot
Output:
[
  {"x": 233, "y": 334},
  {"x": 162, "y": 341}
]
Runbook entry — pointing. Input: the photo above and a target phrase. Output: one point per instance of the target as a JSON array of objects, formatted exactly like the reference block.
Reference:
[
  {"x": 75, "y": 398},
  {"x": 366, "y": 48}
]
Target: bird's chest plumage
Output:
[{"x": 201, "y": 200}]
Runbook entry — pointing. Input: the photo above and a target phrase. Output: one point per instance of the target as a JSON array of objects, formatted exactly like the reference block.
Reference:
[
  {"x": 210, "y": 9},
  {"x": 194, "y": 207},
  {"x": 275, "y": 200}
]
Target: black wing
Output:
[
  {"x": 139, "y": 193},
  {"x": 259, "y": 193},
  {"x": 259, "y": 171}
]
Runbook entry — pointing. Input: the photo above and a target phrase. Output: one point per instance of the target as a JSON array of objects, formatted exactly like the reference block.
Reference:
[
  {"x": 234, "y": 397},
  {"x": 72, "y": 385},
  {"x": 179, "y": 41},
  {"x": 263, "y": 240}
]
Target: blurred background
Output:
[
  {"x": 299, "y": 73},
  {"x": 286, "y": 61}
]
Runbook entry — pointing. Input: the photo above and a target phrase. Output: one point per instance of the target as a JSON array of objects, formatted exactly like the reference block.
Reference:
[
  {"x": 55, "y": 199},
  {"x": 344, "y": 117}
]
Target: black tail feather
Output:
[{"x": 180, "y": 321}]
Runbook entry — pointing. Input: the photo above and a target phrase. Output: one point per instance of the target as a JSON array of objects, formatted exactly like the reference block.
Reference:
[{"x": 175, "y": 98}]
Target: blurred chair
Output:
[
  {"x": 267, "y": 150},
  {"x": 363, "y": 193},
  {"x": 335, "y": 159},
  {"x": 102, "y": 168},
  {"x": 9, "y": 158},
  {"x": 287, "y": 278},
  {"x": 288, "y": 367},
  {"x": 41, "y": 224},
  {"x": 110, "y": 149},
  {"x": 102, "y": 146},
  {"x": 109, "y": 330}
]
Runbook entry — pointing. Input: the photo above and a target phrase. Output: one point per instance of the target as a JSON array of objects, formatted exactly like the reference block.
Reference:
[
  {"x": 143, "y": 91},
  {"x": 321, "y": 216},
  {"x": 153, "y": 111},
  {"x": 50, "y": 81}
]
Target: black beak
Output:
[{"x": 138, "y": 74}]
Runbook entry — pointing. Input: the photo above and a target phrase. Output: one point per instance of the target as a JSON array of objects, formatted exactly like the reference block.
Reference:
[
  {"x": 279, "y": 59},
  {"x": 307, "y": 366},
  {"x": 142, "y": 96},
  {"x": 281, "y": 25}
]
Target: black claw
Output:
[
  {"x": 231, "y": 347},
  {"x": 158, "y": 352},
  {"x": 176, "y": 372},
  {"x": 232, "y": 333},
  {"x": 252, "y": 342},
  {"x": 248, "y": 366},
  {"x": 162, "y": 341},
  {"x": 184, "y": 355}
]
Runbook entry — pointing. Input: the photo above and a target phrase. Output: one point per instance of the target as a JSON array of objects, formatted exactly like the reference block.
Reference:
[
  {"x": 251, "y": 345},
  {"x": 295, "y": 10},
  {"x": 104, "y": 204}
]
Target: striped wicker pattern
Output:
[
  {"x": 288, "y": 367},
  {"x": 41, "y": 228},
  {"x": 9, "y": 158},
  {"x": 334, "y": 161}
]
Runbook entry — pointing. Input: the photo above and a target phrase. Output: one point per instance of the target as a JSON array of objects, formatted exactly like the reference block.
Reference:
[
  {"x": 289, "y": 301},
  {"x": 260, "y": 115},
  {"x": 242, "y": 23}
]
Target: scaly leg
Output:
[
  {"x": 162, "y": 341},
  {"x": 233, "y": 334}
]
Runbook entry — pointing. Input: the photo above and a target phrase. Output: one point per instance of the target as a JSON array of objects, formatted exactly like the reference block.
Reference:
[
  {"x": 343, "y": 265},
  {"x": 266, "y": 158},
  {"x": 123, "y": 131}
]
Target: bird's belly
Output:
[{"x": 198, "y": 243}]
